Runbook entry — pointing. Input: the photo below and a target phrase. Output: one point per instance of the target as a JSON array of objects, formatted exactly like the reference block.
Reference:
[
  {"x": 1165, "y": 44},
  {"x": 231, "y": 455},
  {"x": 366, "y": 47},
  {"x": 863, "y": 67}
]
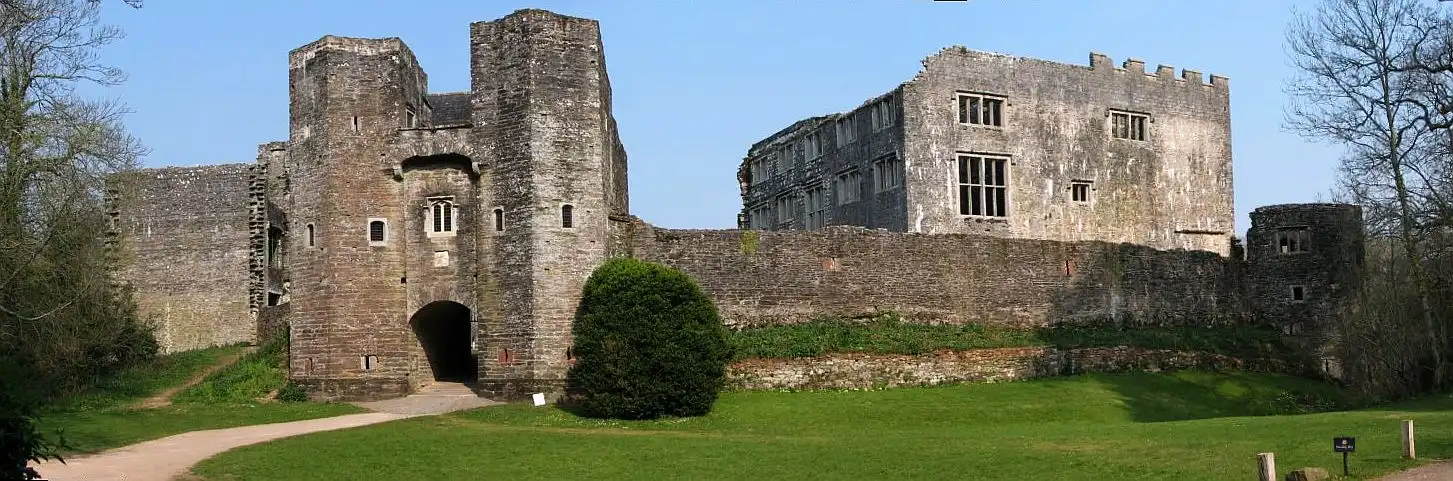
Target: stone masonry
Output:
[
  {"x": 400, "y": 236},
  {"x": 1081, "y": 153}
]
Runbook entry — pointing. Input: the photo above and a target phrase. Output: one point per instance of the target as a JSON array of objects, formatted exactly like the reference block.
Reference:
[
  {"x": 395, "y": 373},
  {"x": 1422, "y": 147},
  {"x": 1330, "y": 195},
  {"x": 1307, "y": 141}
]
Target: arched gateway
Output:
[{"x": 443, "y": 331}]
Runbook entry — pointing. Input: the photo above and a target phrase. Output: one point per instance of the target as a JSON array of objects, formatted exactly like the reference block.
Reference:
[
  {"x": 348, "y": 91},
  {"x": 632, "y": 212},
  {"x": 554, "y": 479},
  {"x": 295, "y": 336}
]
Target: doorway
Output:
[{"x": 443, "y": 330}]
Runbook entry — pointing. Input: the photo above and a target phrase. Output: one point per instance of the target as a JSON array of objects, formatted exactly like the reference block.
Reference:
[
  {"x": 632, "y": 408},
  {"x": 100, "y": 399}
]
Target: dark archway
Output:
[{"x": 443, "y": 330}]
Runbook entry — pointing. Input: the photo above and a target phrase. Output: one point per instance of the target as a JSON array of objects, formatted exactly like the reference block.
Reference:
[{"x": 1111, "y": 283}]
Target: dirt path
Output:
[
  {"x": 164, "y": 398},
  {"x": 167, "y": 458},
  {"x": 1439, "y": 471}
]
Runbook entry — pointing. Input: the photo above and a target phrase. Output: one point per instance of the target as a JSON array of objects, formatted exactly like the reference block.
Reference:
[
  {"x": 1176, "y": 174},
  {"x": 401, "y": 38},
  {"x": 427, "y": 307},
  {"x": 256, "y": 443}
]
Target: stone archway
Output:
[{"x": 443, "y": 331}]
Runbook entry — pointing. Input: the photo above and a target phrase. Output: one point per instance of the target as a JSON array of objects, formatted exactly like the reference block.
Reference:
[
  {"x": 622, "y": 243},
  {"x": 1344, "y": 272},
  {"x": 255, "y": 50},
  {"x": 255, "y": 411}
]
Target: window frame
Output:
[
  {"x": 449, "y": 225},
  {"x": 852, "y": 177},
  {"x": 965, "y": 183},
  {"x": 368, "y": 232},
  {"x": 785, "y": 209},
  {"x": 963, "y": 100},
  {"x": 815, "y": 216},
  {"x": 568, "y": 217},
  {"x": 846, "y": 130},
  {"x": 1113, "y": 125},
  {"x": 896, "y": 169},
  {"x": 1298, "y": 242},
  {"x": 881, "y": 113},
  {"x": 1078, "y": 185}
]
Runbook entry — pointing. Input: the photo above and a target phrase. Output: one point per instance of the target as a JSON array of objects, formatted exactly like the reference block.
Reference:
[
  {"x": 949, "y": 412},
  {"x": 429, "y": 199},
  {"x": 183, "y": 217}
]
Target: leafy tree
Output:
[{"x": 648, "y": 343}]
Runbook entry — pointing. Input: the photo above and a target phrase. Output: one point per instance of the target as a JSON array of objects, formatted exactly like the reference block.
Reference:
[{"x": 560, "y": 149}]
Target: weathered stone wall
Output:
[
  {"x": 1327, "y": 273},
  {"x": 272, "y": 322},
  {"x": 868, "y": 371},
  {"x": 184, "y": 239},
  {"x": 760, "y": 278},
  {"x": 542, "y": 99}
]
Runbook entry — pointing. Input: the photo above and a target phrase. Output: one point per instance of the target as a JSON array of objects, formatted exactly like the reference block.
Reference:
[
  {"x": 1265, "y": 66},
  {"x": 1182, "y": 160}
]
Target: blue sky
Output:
[{"x": 696, "y": 83}]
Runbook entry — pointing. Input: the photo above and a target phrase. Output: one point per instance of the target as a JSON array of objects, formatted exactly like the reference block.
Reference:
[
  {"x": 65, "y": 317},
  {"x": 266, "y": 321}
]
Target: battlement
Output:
[{"x": 1102, "y": 62}]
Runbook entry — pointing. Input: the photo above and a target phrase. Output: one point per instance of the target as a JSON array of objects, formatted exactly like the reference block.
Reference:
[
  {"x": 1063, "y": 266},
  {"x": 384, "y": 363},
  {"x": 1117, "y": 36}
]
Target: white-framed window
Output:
[
  {"x": 377, "y": 231},
  {"x": 1291, "y": 240},
  {"x": 882, "y": 114},
  {"x": 981, "y": 109},
  {"x": 983, "y": 185},
  {"x": 846, "y": 132},
  {"x": 813, "y": 145},
  {"x": 816, "y": 208},
  {"x": 1128, "y": 125},
  {"x": 441, "y": 217},
  {"x": 1080, "y": 191},
  {"x": 849, "y": 187},
  {"x": 786, "y": 209},
  {"x": 887, "y": 173}
]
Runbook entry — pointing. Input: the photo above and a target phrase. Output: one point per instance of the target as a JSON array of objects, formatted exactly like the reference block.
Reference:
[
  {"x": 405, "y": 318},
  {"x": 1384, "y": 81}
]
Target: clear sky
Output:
[{"x": 696, "y": 83}]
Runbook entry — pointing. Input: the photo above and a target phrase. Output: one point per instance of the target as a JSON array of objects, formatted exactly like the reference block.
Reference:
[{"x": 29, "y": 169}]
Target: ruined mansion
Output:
[{"x": 400, "y": 236}]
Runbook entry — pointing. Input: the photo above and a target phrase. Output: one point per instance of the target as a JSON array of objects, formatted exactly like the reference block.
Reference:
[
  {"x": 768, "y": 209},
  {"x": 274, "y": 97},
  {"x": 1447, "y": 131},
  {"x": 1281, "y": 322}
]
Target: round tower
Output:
[{"x": 1304, "y": 268}]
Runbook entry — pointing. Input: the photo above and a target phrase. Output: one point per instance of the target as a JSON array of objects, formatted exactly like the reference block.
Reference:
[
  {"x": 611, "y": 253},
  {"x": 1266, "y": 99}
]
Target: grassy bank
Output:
[
  {"x": 107, "y": 417},
  {"x": 1184, "y": 426},
  {"x": 889, "y": 335}
]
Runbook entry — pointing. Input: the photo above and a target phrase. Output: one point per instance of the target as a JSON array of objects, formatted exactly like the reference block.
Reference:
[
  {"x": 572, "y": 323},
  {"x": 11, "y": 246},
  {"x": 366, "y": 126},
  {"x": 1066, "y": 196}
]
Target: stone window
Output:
[
  {"x": 757, "y": 170},
  {"x": 369, "y": 362},
  {"x": 846, "y": 133},
  {"x": 816, "y": 209},
  {"x": 275, "y": 248},
  {"x": 377, "y": 232},
  {"x": 1291, "y": 240},
  {"x": 567, "y": 216},
  {"x": 849, "y": 187},
  {"x": 882, "y": 114},
  {"x": 1128, "y": 125},
  {"x": 1080, "y": 191},
  {"x": 499, "y": 220},
  {"x": 442, "y": 216},
  {"x": 981, "y": 109},
  {"x": 760, "y": 217},
  {"x": 813, "y": 147},
  {"x": 1299, "y": 294},
  {"x": 888, "y": 173},
  {"x": 786, "y": 211},
  {"x": 983, "y": 186},
  {"x": 411, "y": 119},
  {"x": 311, "y": 237}
]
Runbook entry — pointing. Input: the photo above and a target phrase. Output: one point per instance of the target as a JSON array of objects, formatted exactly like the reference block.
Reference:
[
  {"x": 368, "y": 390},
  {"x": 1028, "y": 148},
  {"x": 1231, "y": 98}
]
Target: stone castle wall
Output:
[
  {"x": 773, "y": 277},
  {"x": 184, "y": 237}
]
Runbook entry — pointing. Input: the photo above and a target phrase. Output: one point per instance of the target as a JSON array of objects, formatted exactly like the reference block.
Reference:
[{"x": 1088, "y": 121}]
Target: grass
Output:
[
  {"x": 104, "y": 417},
  {"x": 1184, "y": 426},
  {"x": 888, "y": 335},
  {"x": 252, "y": 377}
]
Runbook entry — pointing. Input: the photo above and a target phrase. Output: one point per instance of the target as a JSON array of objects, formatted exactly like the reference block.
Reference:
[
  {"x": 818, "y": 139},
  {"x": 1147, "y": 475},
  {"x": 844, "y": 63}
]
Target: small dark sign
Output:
[{"x": 1344, "y": 444}]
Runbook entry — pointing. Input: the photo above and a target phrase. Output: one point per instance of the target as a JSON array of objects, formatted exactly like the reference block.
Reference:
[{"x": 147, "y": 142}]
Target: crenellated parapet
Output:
[{"x": 1102, "y": 63}]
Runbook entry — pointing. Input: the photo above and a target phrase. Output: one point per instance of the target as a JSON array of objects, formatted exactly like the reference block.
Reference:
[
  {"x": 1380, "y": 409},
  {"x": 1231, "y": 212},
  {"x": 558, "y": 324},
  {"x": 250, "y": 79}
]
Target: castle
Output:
[{"x": 401, "y": 236}]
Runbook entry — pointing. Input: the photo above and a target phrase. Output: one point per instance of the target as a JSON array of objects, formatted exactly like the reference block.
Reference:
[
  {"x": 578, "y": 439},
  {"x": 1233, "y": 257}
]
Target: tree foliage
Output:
[
  {"x": 1373, "y": 77},
  {"x": 648, "y": 343},
  {"x": 64, "y": 320}
]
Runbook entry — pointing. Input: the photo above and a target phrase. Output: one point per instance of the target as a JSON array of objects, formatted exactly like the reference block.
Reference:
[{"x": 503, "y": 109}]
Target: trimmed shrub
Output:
[{"x": 648, "y": 343}]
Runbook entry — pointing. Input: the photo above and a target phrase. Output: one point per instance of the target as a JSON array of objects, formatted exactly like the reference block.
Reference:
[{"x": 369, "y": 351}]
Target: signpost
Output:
[{"x": 1344, "y": 445}]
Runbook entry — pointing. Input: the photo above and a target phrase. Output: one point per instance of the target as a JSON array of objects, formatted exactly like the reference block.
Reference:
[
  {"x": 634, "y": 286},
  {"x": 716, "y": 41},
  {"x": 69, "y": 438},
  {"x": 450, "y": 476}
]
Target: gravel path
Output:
[
  {"x": 169, "y": 457},
  {"x": 1439, "y": 471}
]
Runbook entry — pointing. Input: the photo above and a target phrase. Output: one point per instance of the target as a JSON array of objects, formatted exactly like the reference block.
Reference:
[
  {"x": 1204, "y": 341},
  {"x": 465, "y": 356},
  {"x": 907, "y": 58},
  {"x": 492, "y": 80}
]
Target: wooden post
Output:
[
  {"x": 1266, "y": 467},
  {"x": 1409, "y": 452}
]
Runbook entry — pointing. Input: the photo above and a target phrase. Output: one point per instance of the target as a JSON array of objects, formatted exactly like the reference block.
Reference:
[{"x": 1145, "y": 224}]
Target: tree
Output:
[
  {"x": 648, "y": 343},
  {"x": 64, "y": 321},
  {"x": 1355, "y": 86}
]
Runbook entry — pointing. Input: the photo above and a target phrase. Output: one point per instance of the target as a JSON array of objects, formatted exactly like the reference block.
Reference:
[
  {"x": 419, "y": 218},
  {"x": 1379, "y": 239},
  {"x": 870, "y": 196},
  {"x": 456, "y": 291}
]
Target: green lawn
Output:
[
  {"x": 1181, "y": 426},
  {"x": 104, "y": 417}
]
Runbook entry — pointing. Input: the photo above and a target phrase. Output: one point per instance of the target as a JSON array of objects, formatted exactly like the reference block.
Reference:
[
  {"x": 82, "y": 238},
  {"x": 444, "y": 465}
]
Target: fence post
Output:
[
  {"x": 1266, "y": 466},
  {"x": 1409, "y": 451}
]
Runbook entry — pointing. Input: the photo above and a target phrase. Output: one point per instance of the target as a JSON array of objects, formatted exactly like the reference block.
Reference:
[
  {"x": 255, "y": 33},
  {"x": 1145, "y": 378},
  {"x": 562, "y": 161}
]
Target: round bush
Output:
[{"x": 648, "y": 343}]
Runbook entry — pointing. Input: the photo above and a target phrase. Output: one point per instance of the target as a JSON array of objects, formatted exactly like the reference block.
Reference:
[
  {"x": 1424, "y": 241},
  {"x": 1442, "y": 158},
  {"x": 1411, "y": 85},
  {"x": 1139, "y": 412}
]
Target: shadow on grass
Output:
[{"x": 1186, "y": 395}]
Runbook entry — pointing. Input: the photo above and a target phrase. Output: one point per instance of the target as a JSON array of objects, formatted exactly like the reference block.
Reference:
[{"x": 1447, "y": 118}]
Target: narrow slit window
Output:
[
  {"x": 311, "y": 238},
  {"x": 499, "y": 220},
  {"x": 567, "y": 216}
]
